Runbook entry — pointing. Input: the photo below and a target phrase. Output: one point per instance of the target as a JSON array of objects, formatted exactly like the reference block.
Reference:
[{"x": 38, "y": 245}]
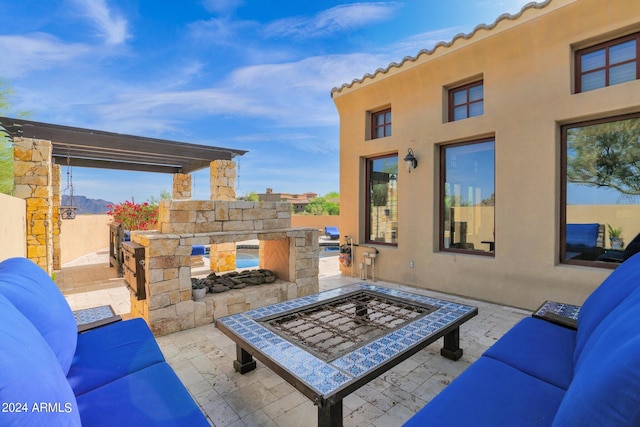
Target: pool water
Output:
[{"x": 248, "y": 258}]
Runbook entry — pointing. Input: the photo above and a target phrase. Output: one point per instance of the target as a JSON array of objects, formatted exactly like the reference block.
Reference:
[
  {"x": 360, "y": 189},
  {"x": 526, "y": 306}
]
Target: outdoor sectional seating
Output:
[
  {"x": 114, "y": 375},
  {"x": 543, "y": 374}
]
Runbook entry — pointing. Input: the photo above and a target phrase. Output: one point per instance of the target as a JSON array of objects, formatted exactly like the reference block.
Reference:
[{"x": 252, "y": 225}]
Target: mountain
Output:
[{"x": 87, "y": 206}]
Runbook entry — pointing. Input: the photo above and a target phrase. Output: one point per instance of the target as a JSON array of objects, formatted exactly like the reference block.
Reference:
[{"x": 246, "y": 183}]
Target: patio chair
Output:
[
  {"x": 616, "y": 255},
  {"x": 582, "y": 241},
  {"x": 332, "y": 232}
]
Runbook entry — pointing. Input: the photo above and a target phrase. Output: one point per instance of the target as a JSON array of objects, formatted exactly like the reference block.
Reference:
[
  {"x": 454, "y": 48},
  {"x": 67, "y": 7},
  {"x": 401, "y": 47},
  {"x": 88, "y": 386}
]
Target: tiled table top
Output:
[
  {"x": 560, "y": 313},
  {"x": 328, "y": 378},
  {"x": 89, "y": 318}
]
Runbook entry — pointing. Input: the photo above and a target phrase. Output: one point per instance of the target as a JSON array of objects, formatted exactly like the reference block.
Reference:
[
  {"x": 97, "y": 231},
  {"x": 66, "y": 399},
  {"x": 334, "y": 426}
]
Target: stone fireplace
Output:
[{"x": 291, "y": 253}]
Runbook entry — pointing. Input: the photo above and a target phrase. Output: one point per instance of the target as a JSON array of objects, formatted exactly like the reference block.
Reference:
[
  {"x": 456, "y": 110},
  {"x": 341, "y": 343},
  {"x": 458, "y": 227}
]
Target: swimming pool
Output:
[{"x": 247, "y": 258}]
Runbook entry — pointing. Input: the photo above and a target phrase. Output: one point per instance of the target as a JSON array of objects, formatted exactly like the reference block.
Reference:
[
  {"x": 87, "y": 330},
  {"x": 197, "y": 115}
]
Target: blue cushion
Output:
[
  {"x": 197, "y": 250},
  {"x": 108, "y": 353},
  {"x": 539, "y": 348},
  {"x": 30, "y": 375},
  {"x": 331, "y": 231},
  {"x": 582, "y": 235},
  {"x": 30, "y": 289},
  {"x": 491, "y": 393},
  {"x": 621, "y": 283},
  {"x": 151, "y": 397},
  {"x": 605, "y": 390}
]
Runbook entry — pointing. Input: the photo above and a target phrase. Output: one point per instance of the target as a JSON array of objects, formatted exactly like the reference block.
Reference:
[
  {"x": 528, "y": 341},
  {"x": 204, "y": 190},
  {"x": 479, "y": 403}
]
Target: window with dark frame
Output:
[
  {"x": 600, "y": 190},
  {"x": 382, "y": 200},
  {"x": 607, "y": 64},
  {"x": 381, "y": 124},
  {"x": 467, "y": 197},
  {"x": 466, "y": 101}
]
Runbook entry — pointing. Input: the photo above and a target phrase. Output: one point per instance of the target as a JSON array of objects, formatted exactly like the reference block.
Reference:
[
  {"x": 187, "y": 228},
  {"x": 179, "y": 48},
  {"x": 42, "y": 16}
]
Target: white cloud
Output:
[
  {"x": 108, "y": 24},
  {"x": 410, "y": 46},
  {"x": 222, "y": 6},
  {"x": 220, "y": 31},
  {"x": 35, "y": 51},
  {"x": 294, "y": 94},
  {"x": 336, "y": 20}
]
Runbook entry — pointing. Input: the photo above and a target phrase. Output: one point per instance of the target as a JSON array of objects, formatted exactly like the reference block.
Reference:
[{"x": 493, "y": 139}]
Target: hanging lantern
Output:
[{"x": 68, "y": 211}]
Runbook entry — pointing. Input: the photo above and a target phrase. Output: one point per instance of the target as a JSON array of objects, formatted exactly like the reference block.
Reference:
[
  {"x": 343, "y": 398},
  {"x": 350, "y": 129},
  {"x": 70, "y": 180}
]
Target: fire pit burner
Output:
[{"x": 338, "y": 326}]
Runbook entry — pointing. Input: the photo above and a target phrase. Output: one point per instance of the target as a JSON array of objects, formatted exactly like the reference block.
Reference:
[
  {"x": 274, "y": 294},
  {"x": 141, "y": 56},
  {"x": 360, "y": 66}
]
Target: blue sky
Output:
[{"x": 254, "y": 75}]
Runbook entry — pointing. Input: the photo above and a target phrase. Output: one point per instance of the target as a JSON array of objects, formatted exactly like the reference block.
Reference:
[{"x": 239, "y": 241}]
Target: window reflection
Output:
[
  {"x": 382, "y": 226},
  {"x": 468, "y": 193},
  {"x": 602, "y": 189}
]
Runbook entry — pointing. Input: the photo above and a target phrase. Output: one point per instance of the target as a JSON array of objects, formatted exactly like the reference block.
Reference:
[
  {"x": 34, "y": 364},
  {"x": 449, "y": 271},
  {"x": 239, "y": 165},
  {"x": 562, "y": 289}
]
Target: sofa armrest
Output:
[
  {"x": 559, "y": 313},
  {"x": 94, "y": 317}
]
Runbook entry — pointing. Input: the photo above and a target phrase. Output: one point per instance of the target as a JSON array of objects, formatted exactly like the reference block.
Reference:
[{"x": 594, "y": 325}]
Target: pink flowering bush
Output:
[{"x": 134, "y": 216}]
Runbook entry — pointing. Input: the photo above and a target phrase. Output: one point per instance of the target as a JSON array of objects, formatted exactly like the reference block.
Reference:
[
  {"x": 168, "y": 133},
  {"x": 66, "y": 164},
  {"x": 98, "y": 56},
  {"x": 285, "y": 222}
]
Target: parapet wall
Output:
[{"x": 292, "y": 253}]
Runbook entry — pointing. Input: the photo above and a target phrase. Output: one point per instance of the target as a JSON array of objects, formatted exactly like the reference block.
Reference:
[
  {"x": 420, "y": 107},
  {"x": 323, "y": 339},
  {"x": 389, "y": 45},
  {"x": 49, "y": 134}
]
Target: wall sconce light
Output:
[{"x": 410, "y": 161}]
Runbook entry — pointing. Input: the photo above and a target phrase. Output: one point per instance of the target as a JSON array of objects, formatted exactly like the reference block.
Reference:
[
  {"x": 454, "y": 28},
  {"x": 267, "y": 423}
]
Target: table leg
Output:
[
  {"x": 330, "y": 415},
  {"x": 244, "y": 362},
  {"x": 451, "y": 349}
]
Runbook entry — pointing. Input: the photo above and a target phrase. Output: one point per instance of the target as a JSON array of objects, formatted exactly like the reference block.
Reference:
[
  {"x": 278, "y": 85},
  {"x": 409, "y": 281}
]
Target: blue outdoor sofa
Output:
[
  {"x": 543, "y": 374},
  {"x": 50, "y": 375}
]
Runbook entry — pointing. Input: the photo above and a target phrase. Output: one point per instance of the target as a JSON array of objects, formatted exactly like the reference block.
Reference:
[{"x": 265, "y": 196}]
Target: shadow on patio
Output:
[{"x": 203, "y": 359}]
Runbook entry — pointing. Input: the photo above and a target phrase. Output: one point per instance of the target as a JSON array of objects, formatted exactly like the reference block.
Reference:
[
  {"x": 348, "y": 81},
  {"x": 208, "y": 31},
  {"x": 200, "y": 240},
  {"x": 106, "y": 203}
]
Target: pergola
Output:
[
  {"x": 41, "y": 148},
  {"x": 107, "y": 150}
]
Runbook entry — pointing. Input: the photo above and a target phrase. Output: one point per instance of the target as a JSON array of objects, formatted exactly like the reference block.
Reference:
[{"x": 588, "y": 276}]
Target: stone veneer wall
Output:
[
  {"x": 33, "y": 183},
  {"x": 223, "y": 180},
  {"x": 181, "y": 186},
  {"x": 222, "y": 256},
  {"x": 182, "y": 224}
]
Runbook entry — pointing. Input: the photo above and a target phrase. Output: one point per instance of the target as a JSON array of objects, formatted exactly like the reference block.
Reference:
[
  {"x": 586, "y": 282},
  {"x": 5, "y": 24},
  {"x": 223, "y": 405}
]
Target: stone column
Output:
[
  {"x": 33, "y": 182},
  {"x": 181, "y": 186},
  {"x": 222, "y": 256},
  {"x": 223, "y": 180}
]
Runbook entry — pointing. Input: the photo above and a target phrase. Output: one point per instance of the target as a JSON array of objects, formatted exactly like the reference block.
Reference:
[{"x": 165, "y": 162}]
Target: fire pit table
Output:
[{"x": 329, "y": 344}]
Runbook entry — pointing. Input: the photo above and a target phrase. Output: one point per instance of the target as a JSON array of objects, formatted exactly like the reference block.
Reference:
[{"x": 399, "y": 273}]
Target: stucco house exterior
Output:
[{"x": 525, "y": 134}]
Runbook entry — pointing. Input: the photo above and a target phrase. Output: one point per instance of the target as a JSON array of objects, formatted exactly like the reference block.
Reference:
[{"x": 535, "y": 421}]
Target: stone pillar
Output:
[
  {"x": 56, "y": 221},
  {"x": 222, "y": 256},
  {"x": 181, "y": 186},
  {"x": 223, "y": 180},
  {"x": 33, "y": 182}
]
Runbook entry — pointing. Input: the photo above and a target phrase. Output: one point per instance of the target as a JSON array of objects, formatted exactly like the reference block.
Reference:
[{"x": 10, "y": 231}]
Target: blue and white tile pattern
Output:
[{"x": 327, "y": 377}]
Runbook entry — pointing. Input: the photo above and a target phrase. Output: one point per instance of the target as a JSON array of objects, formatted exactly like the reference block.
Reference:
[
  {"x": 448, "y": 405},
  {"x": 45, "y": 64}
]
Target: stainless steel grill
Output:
[{"x": 335, "y": 327}]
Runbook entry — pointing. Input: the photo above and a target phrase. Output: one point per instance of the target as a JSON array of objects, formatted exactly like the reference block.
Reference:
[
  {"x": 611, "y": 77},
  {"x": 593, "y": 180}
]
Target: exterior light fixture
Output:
[{"x": 410, "y": 161}]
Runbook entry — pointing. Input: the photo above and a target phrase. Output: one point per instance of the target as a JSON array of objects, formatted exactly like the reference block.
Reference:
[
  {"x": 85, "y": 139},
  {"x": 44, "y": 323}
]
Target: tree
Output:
[
  {"x": 252, "y": 197},
  {"x": 6, "y": 141},
  {"x": 606, "y": 155},
  {"x": 164, "y": 195},
  {"x": 6, "y": 144},
  {"x": 327, "y": 205}
]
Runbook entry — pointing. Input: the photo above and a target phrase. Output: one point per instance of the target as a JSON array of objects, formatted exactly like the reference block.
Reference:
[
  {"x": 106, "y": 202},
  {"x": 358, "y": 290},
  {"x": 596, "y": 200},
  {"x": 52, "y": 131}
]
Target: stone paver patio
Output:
[{"x": 203, "y": 359}]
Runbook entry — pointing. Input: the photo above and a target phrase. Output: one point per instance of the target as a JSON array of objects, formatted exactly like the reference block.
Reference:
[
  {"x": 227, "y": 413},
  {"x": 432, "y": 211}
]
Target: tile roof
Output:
[{"x": 443, "y": 44}]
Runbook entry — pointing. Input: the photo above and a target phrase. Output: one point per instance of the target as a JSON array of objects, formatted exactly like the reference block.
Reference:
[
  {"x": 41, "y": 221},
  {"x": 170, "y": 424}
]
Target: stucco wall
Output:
[
  {"x": 526, "y": 66},
  {"x": 83, "y": 235},
  {"x": 315, "y": 221},
  {"x": 13, "y": 227}
]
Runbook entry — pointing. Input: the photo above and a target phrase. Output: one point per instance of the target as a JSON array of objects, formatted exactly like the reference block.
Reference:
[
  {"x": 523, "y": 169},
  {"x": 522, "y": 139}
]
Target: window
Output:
[
  {"x": 467, "y": 197},
  {"x": 382, "y": 200},
  {"x": 381, "y": 124},
  {"x": 600, "y": 190},
  {"x": 466, "y": 101},
  {"x": 608, "y": 63}
]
